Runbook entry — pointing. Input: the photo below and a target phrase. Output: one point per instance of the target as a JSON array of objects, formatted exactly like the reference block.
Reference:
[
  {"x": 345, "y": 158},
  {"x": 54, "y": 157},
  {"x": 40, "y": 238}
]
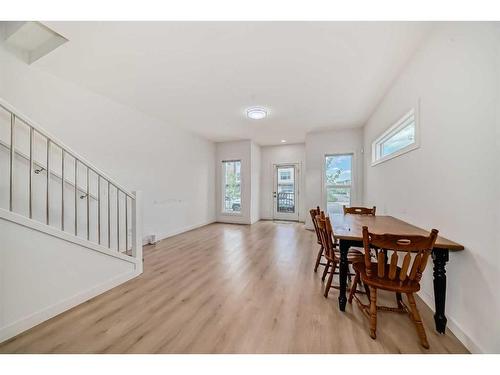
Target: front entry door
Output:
[{"x": 285, "y": 193}]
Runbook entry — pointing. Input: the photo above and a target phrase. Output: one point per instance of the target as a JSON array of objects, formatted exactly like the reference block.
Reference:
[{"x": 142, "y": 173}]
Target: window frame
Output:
[
  {"x": 223, "y": 189},
  {"x": 393, "y": 130},
  {"x": 346, "y": 186}
]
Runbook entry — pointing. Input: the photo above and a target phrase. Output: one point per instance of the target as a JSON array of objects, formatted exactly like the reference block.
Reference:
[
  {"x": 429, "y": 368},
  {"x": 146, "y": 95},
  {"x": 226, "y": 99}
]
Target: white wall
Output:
[
  {"x": 320, "y": 144},
  {"x": 42, "y": 276},
  {"x": 174, "y": 168},
  {"x": 237, "y": 150},
  {"x": 452, "y": 181},
  {"x": 255, "y": 160},
  {"x": 294, "y": 153}
]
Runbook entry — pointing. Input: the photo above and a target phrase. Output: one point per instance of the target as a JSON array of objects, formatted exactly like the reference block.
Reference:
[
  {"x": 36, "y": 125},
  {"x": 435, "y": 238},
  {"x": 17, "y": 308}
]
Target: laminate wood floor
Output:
[{"x": 227, "y": 288}]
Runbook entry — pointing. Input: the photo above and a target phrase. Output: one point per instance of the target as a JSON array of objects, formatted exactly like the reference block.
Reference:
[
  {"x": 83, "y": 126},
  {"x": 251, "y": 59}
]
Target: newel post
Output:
[{"x": 137, "y": 229}]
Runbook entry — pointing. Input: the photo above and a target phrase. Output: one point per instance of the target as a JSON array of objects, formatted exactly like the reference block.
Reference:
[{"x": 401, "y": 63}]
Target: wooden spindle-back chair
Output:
[
  {"x": 386, "y": 274},
  {"x": 315, "y": 212},
  {"x": 360, "y": 210},
  {"x": 331, "y": 253}
]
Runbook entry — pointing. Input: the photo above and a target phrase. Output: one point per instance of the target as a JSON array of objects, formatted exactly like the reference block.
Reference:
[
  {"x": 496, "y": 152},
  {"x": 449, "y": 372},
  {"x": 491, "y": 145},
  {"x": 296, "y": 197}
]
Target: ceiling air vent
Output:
[{"x": 30, "y": 40}]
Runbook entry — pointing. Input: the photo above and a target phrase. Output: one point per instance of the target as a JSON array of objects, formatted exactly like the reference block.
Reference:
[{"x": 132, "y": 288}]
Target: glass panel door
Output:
[{"x": 285, "y": 192}]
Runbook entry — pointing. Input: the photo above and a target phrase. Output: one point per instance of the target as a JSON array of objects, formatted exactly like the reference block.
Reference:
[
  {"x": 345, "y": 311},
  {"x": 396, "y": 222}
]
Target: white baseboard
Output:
[
  {"x": 270, "y": 218},
  {"x": 179, "y": 231},
  {"x": 453, "y": 326},
  {"x": 232, "y": 219},
  {"x": 38, "y": 317}
]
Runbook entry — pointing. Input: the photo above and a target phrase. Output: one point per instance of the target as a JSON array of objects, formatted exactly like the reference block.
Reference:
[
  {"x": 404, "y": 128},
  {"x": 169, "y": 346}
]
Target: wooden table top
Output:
[{"x": 350, "y": 227}]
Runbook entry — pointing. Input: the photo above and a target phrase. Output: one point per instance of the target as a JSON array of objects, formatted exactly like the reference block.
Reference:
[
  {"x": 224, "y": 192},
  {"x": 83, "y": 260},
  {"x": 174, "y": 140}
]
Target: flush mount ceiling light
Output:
[
  {"x": 283, "y": 141},
  {"x": 256, "y": 113}
]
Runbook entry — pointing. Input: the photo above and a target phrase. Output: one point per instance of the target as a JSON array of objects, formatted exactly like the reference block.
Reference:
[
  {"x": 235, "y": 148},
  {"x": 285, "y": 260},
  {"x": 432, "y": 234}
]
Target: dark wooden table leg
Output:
[
  {"x": 343, "y": 269},
  {"x": 440, "y": 258}
]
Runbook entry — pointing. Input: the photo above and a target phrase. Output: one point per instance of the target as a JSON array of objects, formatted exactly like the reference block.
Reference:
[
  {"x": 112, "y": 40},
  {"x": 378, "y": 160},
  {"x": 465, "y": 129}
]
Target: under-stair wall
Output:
[{"x": 68, "y": 232}]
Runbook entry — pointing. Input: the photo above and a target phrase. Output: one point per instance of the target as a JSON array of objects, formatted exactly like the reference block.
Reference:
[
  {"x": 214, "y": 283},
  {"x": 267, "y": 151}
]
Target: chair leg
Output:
[
  {"x": 325, "y": 271},
  {"x": 415, "y": 316},
  {"x": 373, "y": 312},
  {"x": 399, "y": 299},
  {"x": 318, "y": 258},
  {"x": 354, "y": 287},
  {"x": 367, "y": 290},
  {"x": 330, "y": 279}
]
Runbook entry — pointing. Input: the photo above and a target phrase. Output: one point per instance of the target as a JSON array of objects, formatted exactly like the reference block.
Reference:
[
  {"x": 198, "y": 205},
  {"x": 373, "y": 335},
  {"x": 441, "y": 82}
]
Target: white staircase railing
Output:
[{"x": 48, "y": 182}]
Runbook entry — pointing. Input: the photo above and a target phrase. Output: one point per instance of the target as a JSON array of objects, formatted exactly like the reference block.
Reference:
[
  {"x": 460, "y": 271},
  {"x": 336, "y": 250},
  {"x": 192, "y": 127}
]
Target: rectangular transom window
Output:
[
  {"x": 338, "y": 182},
  {"x": 231, "y": 195},
  {"x": 398, "y": 139}
]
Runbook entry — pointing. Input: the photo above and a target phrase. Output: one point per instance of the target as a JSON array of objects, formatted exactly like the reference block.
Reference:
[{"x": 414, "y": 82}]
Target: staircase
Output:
[{"x": 68, "y": 232}]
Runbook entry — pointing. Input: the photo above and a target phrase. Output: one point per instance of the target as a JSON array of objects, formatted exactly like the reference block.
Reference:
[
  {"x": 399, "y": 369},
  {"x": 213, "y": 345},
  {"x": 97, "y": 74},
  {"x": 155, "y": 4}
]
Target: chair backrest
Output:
[
  {"x": 418, "y": 246},
  {"x": 360, "y": 210},
  {"x": 327, "y": 236},
  {"x": 315, "y": 212}
]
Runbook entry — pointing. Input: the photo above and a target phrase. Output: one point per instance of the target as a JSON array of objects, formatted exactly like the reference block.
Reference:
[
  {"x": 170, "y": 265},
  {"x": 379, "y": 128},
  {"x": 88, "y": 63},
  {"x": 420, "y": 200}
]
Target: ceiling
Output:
[{"x": 201, "y": 76}]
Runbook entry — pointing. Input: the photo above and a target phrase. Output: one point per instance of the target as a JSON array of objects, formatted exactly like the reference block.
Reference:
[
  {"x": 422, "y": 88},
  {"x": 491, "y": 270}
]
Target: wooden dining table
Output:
[{"x": 348, "y": 229}]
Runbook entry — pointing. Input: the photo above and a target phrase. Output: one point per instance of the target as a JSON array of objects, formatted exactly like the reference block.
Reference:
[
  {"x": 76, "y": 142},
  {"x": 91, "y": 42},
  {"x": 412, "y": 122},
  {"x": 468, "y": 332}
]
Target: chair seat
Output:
[
  {"x": 353, "y": 251},
  {"x": 407, "y": 286},
  {"x": 354, "y": 255}
]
